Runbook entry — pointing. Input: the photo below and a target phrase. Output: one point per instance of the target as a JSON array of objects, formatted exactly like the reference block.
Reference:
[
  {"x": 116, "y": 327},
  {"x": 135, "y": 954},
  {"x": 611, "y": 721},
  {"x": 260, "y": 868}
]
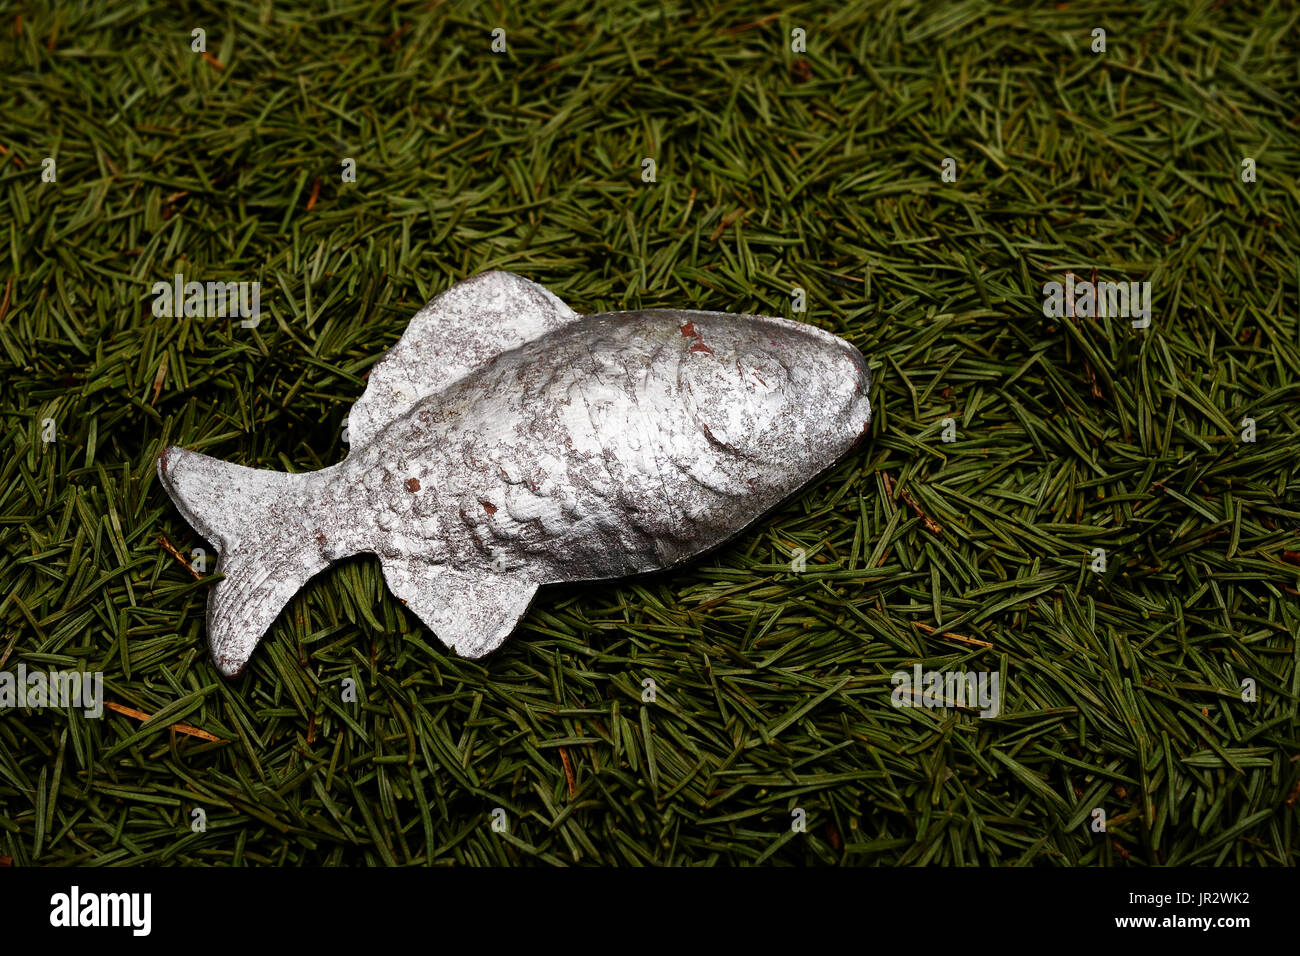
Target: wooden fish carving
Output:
[{"x": 506, "y": 442}]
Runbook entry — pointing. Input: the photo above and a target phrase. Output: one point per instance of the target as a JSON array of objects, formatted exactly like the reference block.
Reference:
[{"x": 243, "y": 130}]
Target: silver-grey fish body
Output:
[{"x": 596, "y": 447}]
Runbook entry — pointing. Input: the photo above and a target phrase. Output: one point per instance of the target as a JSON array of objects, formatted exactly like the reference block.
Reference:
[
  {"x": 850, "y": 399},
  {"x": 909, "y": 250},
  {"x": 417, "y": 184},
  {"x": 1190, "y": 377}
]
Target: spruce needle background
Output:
[{"x": 774, "y": 170}]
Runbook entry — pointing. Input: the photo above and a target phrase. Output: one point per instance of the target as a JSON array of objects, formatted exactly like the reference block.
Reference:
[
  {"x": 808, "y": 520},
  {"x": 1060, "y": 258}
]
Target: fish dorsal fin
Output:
[
  {"x": 471, "y": 612},
  {"x": 457, "y": 332}
]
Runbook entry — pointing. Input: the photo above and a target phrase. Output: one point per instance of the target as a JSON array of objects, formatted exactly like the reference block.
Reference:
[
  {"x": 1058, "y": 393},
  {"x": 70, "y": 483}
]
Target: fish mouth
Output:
[
  {"x": 856, "y": 389},
  {"x": 867, "y": 416}
]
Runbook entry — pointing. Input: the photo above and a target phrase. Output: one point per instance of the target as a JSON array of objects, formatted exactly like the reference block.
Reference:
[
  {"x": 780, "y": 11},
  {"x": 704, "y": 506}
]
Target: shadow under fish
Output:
[{"x": 506, "y": 442}]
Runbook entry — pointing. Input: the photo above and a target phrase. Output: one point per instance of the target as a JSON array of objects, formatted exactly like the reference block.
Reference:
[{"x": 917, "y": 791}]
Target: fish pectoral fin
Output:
[{"x": 471, "y": 612}]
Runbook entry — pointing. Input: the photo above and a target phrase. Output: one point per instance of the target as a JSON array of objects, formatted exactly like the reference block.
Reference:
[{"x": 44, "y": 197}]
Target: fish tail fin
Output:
[{"x": 267, "y": 537}]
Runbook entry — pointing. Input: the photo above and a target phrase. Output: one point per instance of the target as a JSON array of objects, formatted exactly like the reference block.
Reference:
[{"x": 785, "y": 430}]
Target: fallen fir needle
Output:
[
  {"x": 171, "y": 549},
  {"x": 568, "y": 773},
  {"x": 927, "y": 522},
  {"x": 953, "y": 637},
  {"x": 179, "y": 728},
  {"x": 8, "y": 649},
  {"x": 159, "y": 379}
]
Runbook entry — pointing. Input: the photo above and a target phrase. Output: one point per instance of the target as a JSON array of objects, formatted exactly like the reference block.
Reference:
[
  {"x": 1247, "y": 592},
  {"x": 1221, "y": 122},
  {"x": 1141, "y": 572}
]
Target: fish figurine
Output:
[{"x": 506, "y": 442}]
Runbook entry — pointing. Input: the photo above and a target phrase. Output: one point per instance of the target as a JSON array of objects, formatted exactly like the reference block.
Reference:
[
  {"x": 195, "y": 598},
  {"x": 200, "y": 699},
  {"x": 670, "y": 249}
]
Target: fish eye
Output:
[
  {"x": 736, "y": 395},
  {"x": 761, "y": 370}
]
